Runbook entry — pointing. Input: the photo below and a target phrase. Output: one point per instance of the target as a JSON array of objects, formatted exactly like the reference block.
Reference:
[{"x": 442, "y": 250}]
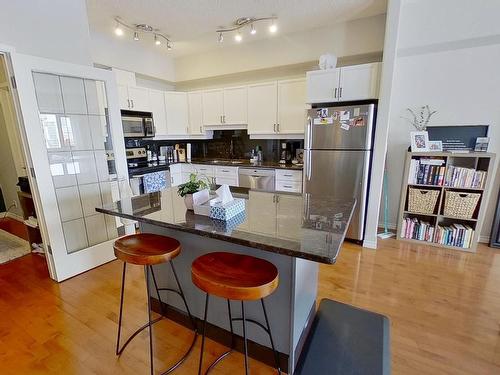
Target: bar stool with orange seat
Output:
[
  {"x": 235, "y": 277},
  {"x": 148, "y": 249}
]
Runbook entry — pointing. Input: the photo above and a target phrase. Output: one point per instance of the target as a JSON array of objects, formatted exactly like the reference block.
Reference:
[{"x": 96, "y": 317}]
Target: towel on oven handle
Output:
[{"x": 155, "y": 181}]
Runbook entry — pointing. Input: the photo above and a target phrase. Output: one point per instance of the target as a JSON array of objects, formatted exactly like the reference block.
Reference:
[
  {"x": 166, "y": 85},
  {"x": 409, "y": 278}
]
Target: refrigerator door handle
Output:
[
  {"x": 308, "y": 133},
  {"x": 309, "y": 164}
]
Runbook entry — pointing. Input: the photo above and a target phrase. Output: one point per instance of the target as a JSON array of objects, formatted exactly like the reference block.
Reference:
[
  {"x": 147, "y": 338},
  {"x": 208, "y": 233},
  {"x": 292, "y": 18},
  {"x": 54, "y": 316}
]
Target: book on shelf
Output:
[
  {"x": 426, "y": 171},
  {"x": 458, "y": 235},
  {"x": 415, "y": 229},
  {"x": 461, "y": 177}
]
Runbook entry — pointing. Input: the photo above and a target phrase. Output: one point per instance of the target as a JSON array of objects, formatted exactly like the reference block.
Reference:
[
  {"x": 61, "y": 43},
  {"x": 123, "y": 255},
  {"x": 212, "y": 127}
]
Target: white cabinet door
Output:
[
  {"x": 123, "y": 97},
  {"x": 359, "y": 82},
  {"x": 157, "y": 103},
  {"x": 176, "y": 106},
  {"x": 235, "y": 106},
  {"x": 262, "y": 212},
  {"x": 323, "y": 85},
  {"x": 291, "y": 106},
  {"x": 289, "y": 216},
  {"x": 213, "y": 107},
  {"x": 139, "y": 99},
  {"x": 262, "y": 108},
  {"x": 195, "y": 106}
]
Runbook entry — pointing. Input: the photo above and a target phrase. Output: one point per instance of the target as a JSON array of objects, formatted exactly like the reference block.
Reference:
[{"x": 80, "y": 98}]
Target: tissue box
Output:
[
  {"x": 231, "y": 224},
  {"x": 228, "y": 210}
]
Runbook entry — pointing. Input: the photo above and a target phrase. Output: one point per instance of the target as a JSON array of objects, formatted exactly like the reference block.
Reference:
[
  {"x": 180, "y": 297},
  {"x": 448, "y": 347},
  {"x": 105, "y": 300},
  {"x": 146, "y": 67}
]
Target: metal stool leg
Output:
[
  {"x": 233, "y": 341},
  {"x": 244, "y": 336},
  {"x": 183, "y": 297},
  {"x": 276, "y": 356},
  {"x": 121, "y": 309},
  {"x": 203, "y": 335},
  {"x": 149, "y": 321},
  {"x": 157, "y": 290}
]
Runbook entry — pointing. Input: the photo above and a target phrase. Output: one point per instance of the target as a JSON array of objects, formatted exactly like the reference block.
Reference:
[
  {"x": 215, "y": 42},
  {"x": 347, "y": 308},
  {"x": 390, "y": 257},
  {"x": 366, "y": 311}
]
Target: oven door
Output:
[{"x": 133, "y": 127}]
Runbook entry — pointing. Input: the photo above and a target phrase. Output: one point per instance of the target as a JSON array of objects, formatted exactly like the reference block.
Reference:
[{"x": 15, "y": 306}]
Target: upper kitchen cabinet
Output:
[
  {"x": 235, "y": 106},
  {"x": 356, "y": 82},
  {"x": 134, "y": 98},
  {"x": 262, "y": 108},
  {"x": 359, "y": 82},
  {"x": 213, "y": 107},
  {"x": 195, "y": 107},
  {"x": 323, "y": 85},
  {"x": 291, "y": 106},
  {"x": 157, "y": 105},
  {"x": 176, "y": 106}
]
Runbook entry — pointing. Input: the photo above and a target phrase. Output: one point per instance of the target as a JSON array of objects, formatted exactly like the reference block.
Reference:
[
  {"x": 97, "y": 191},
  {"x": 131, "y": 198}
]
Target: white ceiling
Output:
[{"x": 191, "y": 24}]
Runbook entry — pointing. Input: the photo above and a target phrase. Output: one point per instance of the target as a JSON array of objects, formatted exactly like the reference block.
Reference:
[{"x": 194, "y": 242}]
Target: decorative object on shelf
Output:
[
  {"x": 187, "y": 190},
  {"x": 457, "y": 138},
  {"x": 420, "y": 119},
  {"x": 327, "y": 61},
  {"x": 495, "y": 228},
  {"x": 482, "y": 144},
  {"x": 419, "y": 141},
  {"x": 243, "y": 22},
  {"x": 142, "y": 28},
  {"x": 436, "y": 146}
]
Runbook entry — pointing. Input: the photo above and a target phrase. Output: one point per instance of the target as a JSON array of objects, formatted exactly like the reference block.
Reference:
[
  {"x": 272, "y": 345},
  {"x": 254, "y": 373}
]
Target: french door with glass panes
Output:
[{"x": 73, "y": 131}]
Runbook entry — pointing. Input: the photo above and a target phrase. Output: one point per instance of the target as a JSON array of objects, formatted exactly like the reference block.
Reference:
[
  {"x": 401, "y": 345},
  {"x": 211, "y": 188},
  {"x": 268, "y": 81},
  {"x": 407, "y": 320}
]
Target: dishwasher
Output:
[{"x": 255, "y": 178}]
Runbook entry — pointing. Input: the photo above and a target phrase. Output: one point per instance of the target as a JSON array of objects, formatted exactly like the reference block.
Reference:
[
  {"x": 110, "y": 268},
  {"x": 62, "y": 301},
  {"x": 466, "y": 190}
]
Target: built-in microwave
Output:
[{"x": 137, "y": 124}]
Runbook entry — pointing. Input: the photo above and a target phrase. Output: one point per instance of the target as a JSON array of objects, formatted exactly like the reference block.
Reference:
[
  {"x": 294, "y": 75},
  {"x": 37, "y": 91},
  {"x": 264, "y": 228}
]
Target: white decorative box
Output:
[{"x": 228, "y": 210}]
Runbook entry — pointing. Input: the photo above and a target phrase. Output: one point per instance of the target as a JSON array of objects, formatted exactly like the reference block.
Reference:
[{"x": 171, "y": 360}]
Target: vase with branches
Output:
[{"x": 420, "y": 118}]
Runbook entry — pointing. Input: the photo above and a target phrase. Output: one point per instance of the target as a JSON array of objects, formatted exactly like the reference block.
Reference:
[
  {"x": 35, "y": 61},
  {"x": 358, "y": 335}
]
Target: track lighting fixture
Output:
[
  {"x": 246, "y": 21},
  {"x": 139, "y": 28}
]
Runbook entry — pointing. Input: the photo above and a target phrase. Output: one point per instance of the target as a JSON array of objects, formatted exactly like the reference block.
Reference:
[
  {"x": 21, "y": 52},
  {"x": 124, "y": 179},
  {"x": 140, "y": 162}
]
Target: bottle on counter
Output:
[{"x": 260, "y": 157}]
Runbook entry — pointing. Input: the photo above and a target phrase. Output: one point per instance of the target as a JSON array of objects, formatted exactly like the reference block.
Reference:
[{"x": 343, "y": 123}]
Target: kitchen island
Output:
[{"x": 294, "y": 232}]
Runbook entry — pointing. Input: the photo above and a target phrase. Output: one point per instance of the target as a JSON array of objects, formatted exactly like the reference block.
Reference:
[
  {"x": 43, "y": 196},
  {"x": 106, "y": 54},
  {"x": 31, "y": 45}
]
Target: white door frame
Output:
[{"x": 61, "y": 264}]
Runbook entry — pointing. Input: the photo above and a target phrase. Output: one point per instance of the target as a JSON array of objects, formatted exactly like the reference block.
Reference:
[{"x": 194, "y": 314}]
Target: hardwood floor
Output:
[{"x": 444, "y": 308}]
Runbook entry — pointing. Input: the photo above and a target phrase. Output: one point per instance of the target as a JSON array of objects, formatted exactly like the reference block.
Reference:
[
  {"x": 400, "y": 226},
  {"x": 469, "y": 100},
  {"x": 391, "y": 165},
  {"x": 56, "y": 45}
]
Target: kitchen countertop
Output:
[{"x": 296, "y": 225}]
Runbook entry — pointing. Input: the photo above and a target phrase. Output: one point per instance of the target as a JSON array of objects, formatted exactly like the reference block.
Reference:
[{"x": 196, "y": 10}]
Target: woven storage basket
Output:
[
  {"x": 460, "y": 204},
  {"x": 422, "y": 201}
]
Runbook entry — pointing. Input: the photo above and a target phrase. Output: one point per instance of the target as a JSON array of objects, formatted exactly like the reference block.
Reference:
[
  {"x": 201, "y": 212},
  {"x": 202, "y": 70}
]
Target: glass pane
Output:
[{"x": 73, "y": 116}]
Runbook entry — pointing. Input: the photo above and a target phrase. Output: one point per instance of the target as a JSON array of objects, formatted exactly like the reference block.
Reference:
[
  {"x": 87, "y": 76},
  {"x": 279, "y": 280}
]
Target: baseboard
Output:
[
  {"x": 12, "y": 215},
  {"x": 370, "y": 244},
  {"x": 484, "y": 239}
]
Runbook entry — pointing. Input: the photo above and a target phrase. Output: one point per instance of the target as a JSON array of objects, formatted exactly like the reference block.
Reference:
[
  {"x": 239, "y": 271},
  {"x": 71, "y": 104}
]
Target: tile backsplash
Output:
[{"x": 229, "y": 144}]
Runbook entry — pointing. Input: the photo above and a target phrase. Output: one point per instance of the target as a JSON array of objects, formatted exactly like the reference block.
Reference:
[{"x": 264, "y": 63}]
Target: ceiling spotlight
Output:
[
  {"x": 252, "y": 29},
  {"x": 221, "y": 38},
  {"x": 118, "y": 29},
  {"x": 238, "y": 37},
  {"x": 136, "y": 36},
  {"x": 169, "y": 46},
  {"x": 158, "y": 41},
  {"x": 273, "y": 27}
]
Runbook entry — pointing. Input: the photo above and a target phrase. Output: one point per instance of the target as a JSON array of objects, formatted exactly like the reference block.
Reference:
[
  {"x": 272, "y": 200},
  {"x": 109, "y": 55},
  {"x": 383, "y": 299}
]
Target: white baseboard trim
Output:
[
  {"x": 370, "y": 244},
  {"x": 484, "y": 239}
]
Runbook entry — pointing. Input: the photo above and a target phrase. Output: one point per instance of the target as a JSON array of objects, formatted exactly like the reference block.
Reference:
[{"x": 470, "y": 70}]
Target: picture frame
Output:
[
  {"x": 419, "y": 141},
  {"x": 435, "y": 146}
]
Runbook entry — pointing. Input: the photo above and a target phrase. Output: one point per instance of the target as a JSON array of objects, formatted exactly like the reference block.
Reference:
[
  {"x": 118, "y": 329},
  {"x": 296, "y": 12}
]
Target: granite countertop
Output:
[
  {"x": 246, "y": 163},
  {"x": 302, "y": 226}
]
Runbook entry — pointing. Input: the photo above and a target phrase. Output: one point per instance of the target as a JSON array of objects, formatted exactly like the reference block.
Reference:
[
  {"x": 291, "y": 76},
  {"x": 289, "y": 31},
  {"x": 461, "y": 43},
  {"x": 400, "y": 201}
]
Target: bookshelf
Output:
[{"x": 441, "y": 173}]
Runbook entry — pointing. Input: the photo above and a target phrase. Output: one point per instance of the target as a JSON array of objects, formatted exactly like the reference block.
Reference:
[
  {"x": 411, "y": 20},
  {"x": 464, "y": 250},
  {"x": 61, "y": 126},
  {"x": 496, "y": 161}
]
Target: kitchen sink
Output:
[{"x": 226, "y": 161}]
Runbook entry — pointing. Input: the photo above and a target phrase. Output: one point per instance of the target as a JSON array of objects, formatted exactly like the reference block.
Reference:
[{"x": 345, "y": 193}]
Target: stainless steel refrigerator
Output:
[{"x": 338, "y": 153}]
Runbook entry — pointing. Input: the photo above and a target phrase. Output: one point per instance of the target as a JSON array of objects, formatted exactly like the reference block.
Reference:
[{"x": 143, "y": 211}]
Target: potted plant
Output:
[{"x": 189, "y": 188}]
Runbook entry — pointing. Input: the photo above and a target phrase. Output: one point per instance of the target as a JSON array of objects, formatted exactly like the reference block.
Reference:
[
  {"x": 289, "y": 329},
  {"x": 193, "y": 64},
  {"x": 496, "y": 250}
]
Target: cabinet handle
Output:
[
  {"x": 278, "y": 127},
  {"x": 224, "y": 119},
  {"x": 335, "y": 93},
  {"x": 132, "y": 100},
  {"x": 274, "y": 198},
  {"x": 277, "y": 199},
  {"x": 288, "y": 175},
  {"x": 201, "y": 130},
  {"x": 288, "y": 186},
  {"x": 340, "y": 92},
  {"x": 274, "y": 128},
  {"x": 128, "y": 103}
]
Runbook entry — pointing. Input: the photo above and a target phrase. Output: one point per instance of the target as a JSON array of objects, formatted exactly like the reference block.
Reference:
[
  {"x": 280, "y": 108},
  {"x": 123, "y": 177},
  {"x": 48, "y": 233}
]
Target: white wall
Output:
[
  {"x": 344, "y": 39},
  {"x": 451, "y": 64},
  {"x": 55, "y": 29},
  {"x": 106, "y": 49}
]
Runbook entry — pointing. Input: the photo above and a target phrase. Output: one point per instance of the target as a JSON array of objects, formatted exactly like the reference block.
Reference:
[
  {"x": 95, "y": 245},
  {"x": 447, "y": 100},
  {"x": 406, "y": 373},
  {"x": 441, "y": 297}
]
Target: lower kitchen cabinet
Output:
[
  {"x": 262, "y": 212},
  {"x": 226, "y": 175},
  {"x": 288, "y": 180},
  {"x": 288, "y": 217}
]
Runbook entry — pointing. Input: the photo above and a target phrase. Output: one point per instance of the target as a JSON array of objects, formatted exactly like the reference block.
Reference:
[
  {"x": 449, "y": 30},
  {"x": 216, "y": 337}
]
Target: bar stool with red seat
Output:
[
  {"x": 235, "y": 277},
  {"x": 148, "y": 249}
]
